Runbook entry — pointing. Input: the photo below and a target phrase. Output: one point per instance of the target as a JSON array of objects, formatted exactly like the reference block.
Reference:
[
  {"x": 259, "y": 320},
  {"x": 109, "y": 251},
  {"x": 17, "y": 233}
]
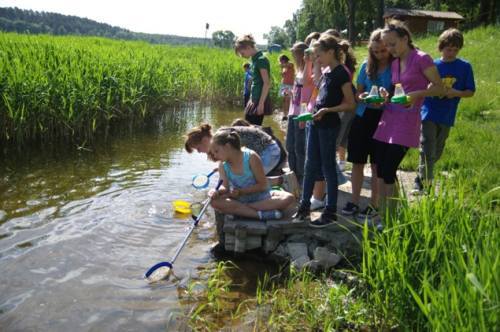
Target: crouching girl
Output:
[{"x": 244, "y": 191}]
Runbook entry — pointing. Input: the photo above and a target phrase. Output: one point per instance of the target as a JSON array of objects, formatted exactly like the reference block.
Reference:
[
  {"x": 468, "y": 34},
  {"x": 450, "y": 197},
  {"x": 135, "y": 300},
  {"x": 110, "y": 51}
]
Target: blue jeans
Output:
[
  {"x": 320, "y": 158},
  {"x": 296, "y": 147}
]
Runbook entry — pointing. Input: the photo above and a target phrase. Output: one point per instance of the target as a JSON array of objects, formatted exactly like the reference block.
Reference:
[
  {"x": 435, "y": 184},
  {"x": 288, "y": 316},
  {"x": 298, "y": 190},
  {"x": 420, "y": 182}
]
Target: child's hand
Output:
[
  {"x": 213, "y": 194},
  {"x": 302, "y": 124},
  {"x": 319, "y": 114},
  {"x": 234, "y": 193},
  {"x": 363, "y": 95}
]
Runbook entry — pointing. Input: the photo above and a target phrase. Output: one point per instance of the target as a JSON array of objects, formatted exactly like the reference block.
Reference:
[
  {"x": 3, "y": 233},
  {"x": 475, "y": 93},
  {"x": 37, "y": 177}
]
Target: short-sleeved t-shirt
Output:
[
  {"x": 456, "y": 74},
  {"x": 259, "y": 61},
  {"x": 383, "y": 80},
  {"x": 401, "y": 125},
  {"x": 331, "y": 95}
]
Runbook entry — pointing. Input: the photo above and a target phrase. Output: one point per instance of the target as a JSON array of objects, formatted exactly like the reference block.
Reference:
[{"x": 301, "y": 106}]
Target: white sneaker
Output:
[{"x": 316, "y": 204}]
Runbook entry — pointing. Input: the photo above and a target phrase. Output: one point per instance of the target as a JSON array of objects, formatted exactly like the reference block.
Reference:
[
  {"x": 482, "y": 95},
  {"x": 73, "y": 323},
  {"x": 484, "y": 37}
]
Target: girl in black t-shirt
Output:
[{"x": 335, "y": 95}]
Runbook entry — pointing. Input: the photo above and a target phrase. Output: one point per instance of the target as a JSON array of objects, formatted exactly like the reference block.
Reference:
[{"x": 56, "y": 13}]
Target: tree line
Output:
[
  {"x": 359, "y": 18},
  {"x": 29, "y": 21}
]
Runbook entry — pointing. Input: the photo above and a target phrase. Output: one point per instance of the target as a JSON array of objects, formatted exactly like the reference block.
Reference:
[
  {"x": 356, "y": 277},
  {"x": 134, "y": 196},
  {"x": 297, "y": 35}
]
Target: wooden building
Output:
[{"x": 424, "y": 21}]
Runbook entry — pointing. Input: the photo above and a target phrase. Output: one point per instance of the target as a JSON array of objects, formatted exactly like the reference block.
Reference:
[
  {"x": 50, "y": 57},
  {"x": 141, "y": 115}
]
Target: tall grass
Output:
[
  {"x": 66, "y": 87},
  {"x": 436, "y": 266}
]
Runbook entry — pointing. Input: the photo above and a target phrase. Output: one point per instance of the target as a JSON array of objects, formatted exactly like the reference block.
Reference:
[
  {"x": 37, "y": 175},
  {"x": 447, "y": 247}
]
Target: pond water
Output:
[{"x": 79, "y": 226}]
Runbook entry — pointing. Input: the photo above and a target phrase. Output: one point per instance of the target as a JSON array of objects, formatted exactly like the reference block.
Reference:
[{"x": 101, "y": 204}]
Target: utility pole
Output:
[
  {"x": 380, "y": 13},
  {"x": 207, "y": 26},
  {"x": 351, "y": 19}
]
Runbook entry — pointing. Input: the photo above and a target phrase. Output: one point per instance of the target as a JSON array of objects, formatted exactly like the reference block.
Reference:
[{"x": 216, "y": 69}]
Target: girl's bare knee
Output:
[
  {"x": 216, "y": 203},
  {"x": 289, "y": 199}
]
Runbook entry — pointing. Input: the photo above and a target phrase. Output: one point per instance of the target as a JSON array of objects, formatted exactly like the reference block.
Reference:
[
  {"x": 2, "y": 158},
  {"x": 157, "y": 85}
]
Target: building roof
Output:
[{"x": 390, "y": 12}]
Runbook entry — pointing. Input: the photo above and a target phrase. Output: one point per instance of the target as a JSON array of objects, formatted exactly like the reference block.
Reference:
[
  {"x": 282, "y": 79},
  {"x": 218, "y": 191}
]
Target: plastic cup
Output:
[
  {"x": 400, "y": 99},
  {"x": 304, "y": 117},
  {"x": 373, "y": 99}
]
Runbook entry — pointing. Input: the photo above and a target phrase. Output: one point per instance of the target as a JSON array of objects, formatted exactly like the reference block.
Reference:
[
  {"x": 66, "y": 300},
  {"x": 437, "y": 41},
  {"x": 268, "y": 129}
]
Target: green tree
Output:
[
  {"x": 223, "y": 38},
  {"x": 277, "y": 35},
  {"x": 291, "y": 29}
]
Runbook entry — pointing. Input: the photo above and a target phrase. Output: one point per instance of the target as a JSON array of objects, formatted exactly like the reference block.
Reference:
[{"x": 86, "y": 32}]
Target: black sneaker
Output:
[
  {"x": 327, "y": 218},
  {"x": 418, "y": 187},
  {"x": 302, "y": 214},
  {"x": 350, "y": 209},
  {"x": 369, "y": 213}
]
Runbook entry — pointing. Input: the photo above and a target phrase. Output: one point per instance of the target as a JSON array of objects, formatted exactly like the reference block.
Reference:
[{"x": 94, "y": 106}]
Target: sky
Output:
[{"x": 175, "y": 17}]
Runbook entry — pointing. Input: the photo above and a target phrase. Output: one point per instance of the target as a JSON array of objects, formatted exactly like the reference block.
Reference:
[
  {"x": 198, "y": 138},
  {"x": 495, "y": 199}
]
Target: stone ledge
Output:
[{"x": 278, "y": 240}]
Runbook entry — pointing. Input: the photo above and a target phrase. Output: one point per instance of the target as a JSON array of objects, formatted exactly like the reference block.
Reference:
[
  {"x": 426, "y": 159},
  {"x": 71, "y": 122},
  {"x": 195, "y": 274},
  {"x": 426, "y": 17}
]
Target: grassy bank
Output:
[
  {"x": 74, "y": 87},
  {"x": 436, "y": 265}
]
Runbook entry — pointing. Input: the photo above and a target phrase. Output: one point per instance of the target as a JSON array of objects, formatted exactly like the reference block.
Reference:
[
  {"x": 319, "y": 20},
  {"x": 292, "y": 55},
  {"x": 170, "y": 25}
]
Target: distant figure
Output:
[
  {"x": 245, "y": 191},
  {"x": 287, "y": 75},
  {"x": 247, "y": 83},
  {"x": 438, "y": 113},
  {"x": 259, "y": 103}
]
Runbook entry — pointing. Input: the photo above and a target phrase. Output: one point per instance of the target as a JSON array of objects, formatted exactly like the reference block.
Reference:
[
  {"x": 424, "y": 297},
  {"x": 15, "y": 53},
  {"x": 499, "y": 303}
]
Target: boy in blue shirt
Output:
[
  {"x": 247, "y": 84},
  {"x": 438, "y": 113}
]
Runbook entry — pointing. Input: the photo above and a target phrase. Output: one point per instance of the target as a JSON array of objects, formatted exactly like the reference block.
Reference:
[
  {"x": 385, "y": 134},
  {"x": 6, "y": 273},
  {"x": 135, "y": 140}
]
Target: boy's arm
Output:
[
  {"x": 470, "y": 86},
  {"x": 265, "y": 90},
  {"x": 452, "y": 93},
  {"x": 436, "y": 88}
]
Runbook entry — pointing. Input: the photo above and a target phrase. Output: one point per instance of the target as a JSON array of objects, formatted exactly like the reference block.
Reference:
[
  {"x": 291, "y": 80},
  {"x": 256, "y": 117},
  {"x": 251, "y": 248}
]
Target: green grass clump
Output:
[
  {"x": 436, "y": 264},
  {"x": 308, "y": 303}
]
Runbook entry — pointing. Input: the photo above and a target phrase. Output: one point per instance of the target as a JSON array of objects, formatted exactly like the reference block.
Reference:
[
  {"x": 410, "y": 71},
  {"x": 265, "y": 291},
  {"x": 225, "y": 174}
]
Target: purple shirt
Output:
[{"x": 400, "y": 125}]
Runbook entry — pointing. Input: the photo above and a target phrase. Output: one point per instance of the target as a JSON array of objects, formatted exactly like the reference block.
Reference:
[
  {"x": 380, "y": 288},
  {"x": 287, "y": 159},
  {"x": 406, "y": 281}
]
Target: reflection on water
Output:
[{"x": 80, "y": 226}]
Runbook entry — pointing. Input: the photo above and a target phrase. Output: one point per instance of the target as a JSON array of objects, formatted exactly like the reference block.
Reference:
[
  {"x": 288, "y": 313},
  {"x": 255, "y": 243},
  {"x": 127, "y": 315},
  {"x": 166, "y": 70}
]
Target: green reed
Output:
[
  {"x": 436, "y": 264},
  {"x": 75, "y": 87}
]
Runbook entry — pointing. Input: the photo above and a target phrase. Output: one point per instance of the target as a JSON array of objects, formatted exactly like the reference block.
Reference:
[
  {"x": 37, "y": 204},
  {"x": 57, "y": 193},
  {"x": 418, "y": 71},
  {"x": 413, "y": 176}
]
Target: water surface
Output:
[{"x": 79, "y": 226}]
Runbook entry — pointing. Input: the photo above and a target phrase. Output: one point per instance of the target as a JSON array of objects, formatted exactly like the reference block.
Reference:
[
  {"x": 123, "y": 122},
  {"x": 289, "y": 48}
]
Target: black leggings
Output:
[{"x": 388, "y": 157}]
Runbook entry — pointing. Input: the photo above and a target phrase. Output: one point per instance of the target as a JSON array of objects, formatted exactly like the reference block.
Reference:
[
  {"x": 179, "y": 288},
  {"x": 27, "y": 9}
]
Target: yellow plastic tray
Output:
[{"x": 182, "y": 206}]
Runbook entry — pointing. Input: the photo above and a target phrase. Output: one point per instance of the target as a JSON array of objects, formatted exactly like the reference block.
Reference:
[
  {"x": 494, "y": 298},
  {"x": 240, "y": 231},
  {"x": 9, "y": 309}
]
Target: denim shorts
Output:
[
  {"x": 255, "y": 197},
  {"x": 270, "y": 157}
]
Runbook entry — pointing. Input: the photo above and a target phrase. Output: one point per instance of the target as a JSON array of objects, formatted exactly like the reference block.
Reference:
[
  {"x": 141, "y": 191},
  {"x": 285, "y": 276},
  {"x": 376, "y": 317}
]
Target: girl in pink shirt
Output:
[{"x": 399, "y": 127}]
